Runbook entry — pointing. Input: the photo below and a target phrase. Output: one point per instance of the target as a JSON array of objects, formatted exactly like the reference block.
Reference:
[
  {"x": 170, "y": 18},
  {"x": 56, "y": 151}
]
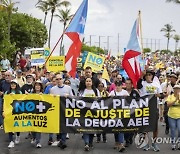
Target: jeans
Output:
[
  {"x": 1, "y": 109},
  {"x": 63, "y": 137},
  {"x": 50, "y": 136},
  {"x": 36, "y": 136},
  {"x": 119, "y": 137},
  {"x": 11, "y": 136},
  {"x": 173, "y": 124},
  {"x": 88, "y": 138}
]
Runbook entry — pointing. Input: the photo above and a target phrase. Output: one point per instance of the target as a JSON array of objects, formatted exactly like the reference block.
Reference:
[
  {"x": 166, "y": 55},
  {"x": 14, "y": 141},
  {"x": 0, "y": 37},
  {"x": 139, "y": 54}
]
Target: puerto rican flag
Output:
[
  {"x": 133, "y": 51},
  {"x": 75, "y": 32}
]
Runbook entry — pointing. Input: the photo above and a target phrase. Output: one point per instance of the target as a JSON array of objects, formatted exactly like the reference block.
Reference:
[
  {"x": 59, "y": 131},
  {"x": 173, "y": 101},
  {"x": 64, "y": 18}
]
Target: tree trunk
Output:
[
  {"x": 45, "y": 17},
  {"x": 49, "y": 42},
  {"x": 60, "y": 52},
  {"x": 168, "y": 44}
]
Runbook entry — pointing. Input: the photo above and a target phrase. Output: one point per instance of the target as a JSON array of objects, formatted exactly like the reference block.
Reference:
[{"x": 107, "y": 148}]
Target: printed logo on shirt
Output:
[{"x": 150, "y": 89}]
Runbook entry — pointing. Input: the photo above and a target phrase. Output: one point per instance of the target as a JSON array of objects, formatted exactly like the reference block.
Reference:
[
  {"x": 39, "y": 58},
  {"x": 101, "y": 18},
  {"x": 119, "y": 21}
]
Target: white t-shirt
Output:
[
  {"x": 121, "y": 93},
  {"x": 5, "y": 64},
  {"x": 150, "y": 88},
  {"x": 90, "y": 93},
  {"x": 62, "y": 91}
]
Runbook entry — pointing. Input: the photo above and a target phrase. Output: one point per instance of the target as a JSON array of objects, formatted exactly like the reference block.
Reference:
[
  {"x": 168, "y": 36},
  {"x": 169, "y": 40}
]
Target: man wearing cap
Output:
[
  {"x": 19, "y": 78},
  {"x": 28, "y": 87},
  {"x": 146, "y": 87}
]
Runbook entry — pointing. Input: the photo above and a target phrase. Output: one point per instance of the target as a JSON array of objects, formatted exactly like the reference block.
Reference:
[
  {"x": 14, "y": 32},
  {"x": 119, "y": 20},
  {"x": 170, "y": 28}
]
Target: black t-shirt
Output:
[{"x": 28, "y": 88}]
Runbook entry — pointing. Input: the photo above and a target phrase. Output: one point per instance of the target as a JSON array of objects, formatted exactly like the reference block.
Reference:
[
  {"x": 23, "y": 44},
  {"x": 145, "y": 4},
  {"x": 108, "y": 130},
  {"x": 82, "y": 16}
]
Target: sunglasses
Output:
[{"x": 67, "y": 83}]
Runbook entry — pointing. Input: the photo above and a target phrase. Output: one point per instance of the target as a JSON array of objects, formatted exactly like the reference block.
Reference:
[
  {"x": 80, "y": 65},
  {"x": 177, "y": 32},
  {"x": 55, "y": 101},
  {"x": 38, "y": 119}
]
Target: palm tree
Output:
[
  {"x": 175, "y": 1},
  {"x": 54, "y": 4},
  {"x": 168, "y": 29},
  {"x": 176, "y": 38},
  {"x": 44, "y": 7},
  {"x": 9, "y": 7},
  {"x": 64, "y": 16}
]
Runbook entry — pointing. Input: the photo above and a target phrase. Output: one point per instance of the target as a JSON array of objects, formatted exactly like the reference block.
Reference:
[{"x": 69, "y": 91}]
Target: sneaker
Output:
[
  {"x": 55, "y": 143},
  {"x": 173, "y": 147},
  {"x": 121, "y": 148},
  {"x": 98, "y": 140},
  {"x": 67, "y": 136},
  {"x": 38, "y": 145},
  {"x": 146, "y": 147},
  {"x": 104, "y": 141},
  {"x": 17, "y": 140},
  {"x": 1, "y": 126},
  {"x": 33, "y": 141},
  {"x": 62, "y": 145},
  {"x": 50, "y": 142},
  {"x": 155, "y": 147},
  {"x": 86, "y": 148},
  {"x": 11, "y": 144},
  {"x": 178, "y": 147}
]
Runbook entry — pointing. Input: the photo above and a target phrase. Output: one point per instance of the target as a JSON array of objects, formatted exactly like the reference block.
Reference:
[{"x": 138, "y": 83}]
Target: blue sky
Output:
[{"x": 110, "y": 17}]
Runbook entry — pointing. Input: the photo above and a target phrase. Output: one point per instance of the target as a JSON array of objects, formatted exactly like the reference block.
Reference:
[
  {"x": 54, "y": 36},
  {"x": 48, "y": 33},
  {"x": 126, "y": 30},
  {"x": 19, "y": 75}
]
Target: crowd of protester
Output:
[{"x": 161, "y": 76}]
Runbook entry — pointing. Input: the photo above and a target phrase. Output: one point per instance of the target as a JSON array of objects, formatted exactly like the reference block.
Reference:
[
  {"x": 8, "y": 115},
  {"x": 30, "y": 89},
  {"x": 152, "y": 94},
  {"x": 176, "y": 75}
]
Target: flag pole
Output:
[
  {"x": 140, "y": 23},
  {"x": 60, "y": 38}
]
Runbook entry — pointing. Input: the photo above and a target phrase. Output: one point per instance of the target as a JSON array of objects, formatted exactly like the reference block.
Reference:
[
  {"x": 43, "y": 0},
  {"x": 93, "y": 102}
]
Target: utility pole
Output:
[
  {"x": 99, "y": 40},
  {"x": 90, "y": 39},
  {"x": 108, "y": 42}
]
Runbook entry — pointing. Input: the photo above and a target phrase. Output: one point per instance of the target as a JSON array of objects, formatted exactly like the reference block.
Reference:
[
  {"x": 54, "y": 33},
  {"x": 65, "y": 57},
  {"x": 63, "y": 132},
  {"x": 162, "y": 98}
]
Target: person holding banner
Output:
[
  {"x": 135, "y": 95},
  {"x": 14, "y": 89},
  {"x": 103, "y": 93},
  {"x": 37, "y": 89},
  {"x": 89, "y": 91},
  {"x": 62, "y": 90},
  {"x": 173, "y": 102},
  {"x": 147, "y": 85},
  {"x": 119, "y": 137}
]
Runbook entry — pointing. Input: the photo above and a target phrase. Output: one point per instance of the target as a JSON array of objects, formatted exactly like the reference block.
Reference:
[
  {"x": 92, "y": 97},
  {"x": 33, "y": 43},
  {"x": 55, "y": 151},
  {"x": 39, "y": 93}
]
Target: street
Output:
[{"x": 75, "y": 146}]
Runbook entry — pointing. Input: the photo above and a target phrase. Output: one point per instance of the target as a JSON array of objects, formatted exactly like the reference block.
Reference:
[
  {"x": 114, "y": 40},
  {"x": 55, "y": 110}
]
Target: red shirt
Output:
[{"x": 22, "y": 62}]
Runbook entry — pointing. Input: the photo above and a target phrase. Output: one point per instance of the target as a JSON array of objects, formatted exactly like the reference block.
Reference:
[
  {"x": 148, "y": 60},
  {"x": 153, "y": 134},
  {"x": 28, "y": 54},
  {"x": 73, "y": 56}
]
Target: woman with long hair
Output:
[
  {"x": 14, "y": 89},
  {"x": 88, "y": 91},
  {"x": 37, "y": 89}
]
